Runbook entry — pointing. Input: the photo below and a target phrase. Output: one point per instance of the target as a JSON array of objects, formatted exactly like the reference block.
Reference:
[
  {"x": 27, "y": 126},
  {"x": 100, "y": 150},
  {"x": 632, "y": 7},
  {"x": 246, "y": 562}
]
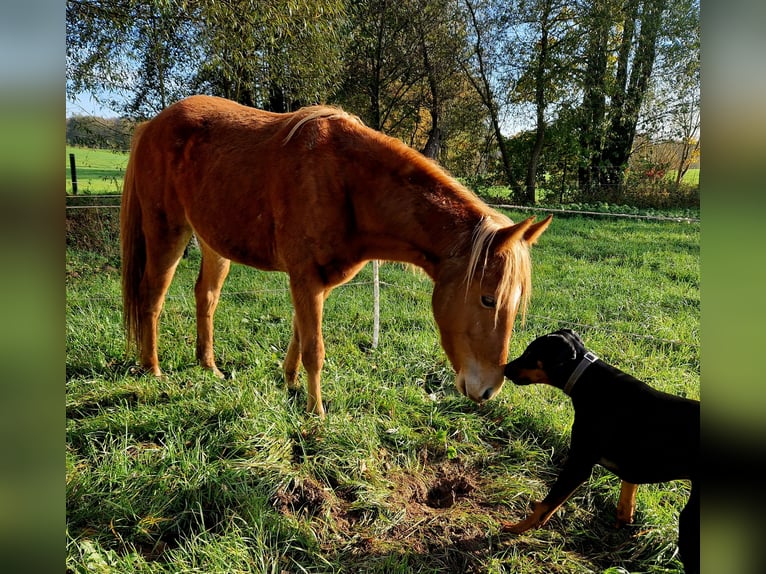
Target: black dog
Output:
[{"x": 640, "y": 434}]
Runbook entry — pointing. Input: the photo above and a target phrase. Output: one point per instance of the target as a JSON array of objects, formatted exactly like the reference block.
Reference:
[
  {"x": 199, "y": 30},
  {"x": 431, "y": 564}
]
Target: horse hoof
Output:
[
  {"x": 138, "y": 370},
  {"x": 214, "y": 370},
  {"x": 293, "y": 383}
]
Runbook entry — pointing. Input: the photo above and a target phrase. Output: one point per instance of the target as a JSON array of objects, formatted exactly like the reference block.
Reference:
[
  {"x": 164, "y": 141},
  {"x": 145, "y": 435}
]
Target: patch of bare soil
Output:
[
  {"x": 437, "y": 512},
  {"x": 303, "y": 498},
  {"x": 448, "y": 490}
]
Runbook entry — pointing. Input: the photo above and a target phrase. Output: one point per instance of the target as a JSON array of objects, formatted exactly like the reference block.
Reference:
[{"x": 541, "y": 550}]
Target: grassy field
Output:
[
  {"x": 691, "y": 177},
  {"x": 194, "y": 474},
  {"x": 98, "y": 170}
]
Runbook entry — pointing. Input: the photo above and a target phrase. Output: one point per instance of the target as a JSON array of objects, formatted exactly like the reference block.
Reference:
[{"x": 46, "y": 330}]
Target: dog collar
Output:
[{"x": 587, "y": 360}]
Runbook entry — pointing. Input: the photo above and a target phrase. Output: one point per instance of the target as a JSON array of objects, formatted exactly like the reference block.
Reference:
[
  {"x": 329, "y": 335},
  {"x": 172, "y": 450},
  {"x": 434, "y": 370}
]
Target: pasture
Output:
[
  {"x": 99, "y": 171},
  {"x": 192, "y": 473}
]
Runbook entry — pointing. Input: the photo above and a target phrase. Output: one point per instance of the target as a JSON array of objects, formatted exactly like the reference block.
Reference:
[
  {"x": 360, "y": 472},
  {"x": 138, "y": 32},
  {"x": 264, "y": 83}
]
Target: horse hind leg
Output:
[
  {"x": 207, "y": 292},
  {"x": 162, "y": 257}
]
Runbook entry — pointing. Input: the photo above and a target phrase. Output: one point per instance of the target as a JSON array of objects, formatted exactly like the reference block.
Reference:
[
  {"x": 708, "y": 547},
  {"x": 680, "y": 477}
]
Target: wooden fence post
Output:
[{"x": 73, "y": 170}]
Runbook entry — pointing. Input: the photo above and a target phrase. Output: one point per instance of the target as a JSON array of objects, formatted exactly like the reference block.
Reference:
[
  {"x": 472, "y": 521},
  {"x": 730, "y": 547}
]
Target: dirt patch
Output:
[
  {"x": 438, "y": 513},
  {"x": 449, "y": 489},
  {"x": 301, "y": 497}
]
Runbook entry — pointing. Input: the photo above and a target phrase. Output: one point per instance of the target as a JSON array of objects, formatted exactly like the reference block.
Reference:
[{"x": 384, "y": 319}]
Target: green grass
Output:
[
  {"x": 691, "y": 177},
  {"x": 99, "y": 171},
  {"x": 192, "y": 473}
]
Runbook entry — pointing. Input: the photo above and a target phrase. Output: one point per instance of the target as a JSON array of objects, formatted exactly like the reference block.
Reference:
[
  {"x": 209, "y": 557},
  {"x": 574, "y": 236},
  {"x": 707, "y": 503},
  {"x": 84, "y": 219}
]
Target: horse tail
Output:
[{"x": 132, "y": 250}]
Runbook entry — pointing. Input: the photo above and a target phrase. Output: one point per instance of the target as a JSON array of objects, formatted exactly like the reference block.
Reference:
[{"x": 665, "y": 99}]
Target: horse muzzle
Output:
[{"x": 479, "y": 388}]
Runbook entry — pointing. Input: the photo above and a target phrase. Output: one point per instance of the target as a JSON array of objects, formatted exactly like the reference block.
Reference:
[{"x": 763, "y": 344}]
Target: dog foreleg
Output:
[
  {"x": 626, "y": 507},
  {"x": 571, "y": 477}
]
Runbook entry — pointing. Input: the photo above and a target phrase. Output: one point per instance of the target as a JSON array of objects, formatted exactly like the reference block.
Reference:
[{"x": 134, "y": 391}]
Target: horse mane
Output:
[
  {"x": 319, "y": 112},
  {"x": 516, "y": 263}
]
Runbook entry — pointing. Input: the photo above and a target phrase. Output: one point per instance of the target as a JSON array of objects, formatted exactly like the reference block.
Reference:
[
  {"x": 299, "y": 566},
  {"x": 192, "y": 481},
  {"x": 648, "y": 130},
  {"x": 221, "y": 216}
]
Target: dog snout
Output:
[{"x": 510, "y": 370}]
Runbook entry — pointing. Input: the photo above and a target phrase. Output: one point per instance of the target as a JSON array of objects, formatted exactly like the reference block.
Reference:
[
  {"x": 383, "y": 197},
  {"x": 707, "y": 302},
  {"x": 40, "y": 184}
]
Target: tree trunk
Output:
[
  {"x": 433, "y": 145},
  {"x": 484, "y": 90},
  {"x": 541, "y": 77},
  {"x": 594, "y": 100},
  {"x": 627, "y": 103}
]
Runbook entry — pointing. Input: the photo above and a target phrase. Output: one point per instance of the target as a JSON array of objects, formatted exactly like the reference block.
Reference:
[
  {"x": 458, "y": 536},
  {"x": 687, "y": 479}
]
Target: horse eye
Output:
[{"x": 488, "y": 301}]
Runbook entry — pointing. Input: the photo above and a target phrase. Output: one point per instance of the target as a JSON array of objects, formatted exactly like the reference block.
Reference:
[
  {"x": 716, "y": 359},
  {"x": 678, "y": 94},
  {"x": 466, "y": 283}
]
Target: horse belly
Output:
[{"x": 243, "y": 235}]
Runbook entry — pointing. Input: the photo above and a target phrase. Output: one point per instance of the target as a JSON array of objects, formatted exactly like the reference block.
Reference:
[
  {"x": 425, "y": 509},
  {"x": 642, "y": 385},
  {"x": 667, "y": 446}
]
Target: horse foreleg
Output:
[
  {"x": 293, "y": 358},
  {"x": 207, "y": 292},
  {"x": 308, "y": 304}
]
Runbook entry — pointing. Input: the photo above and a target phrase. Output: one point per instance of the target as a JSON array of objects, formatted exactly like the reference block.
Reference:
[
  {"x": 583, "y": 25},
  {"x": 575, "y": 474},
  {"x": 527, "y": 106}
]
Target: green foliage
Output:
[
  {"x": 101, "y": 133},
  {"x": 192, "y": 473},
  {"x": 142, "y": 56},
  {"x": 433, "y": 73}
]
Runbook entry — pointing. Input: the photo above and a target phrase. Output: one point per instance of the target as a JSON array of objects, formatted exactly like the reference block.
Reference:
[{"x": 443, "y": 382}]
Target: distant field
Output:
[
  {"x": 691, "y": 177},
  {"x": 98, "y": 170}
]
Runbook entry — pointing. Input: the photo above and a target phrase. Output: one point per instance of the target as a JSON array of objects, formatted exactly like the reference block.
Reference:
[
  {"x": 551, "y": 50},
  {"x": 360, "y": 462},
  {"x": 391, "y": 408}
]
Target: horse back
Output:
[{"x": 252, "y": 187}]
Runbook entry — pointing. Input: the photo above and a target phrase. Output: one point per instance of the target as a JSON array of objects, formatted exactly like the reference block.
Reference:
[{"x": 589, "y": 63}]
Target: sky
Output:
[{"x": 85, "y": 105}]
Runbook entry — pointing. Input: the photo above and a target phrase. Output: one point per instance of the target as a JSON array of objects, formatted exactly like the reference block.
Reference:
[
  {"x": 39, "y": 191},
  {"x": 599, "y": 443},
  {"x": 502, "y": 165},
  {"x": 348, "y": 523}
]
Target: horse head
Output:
[{"x": 476, "y": 298}]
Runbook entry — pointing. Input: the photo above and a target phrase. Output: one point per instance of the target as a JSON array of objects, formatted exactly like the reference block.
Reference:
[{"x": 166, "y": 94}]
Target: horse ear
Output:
[
  {"x": 536, "y": 230},
  {"x": 506, "y": 236},
  {"x": 526, "y": 230}
]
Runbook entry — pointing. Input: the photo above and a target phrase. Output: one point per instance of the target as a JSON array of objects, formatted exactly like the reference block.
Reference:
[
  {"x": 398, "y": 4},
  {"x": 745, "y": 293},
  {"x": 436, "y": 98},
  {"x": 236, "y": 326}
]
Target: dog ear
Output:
[
  {"x": 572, "y": 336},
  {"x": 564, "y": 349}
]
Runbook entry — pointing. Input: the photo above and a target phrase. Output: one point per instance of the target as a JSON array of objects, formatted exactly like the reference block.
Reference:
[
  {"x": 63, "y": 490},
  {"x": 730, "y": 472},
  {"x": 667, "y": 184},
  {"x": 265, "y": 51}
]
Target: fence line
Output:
[
  {"x": 559, "y": 322},
  {"x": 511, "y": 207},
  {"x": 90, "y": 206},
  {"x": 608, "y": 214}
]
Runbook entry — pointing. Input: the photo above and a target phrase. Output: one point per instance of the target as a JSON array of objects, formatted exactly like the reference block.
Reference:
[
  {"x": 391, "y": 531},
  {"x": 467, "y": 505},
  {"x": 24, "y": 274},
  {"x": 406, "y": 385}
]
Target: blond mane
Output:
[
  {"x": 320, "y": 112},
  {"x": 516, "y": 263}
]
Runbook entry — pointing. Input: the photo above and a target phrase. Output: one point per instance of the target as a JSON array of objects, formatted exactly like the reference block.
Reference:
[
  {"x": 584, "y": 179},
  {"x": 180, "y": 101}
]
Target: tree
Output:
[
  {"x": 597, "y": 22},
  {"x": 640, "y": 28},
  {"x": 132, "y": 56},
  {"x": 545, "y": 52},
  {"x": 149, "y": 54},
  {"x": 622, "y": 47},
  {"x": 382, "y": 77},
  {"x": 276, "y": 55},
  {"x": 671, "y": 109},
  {"x": 440, "y": 36},
  {"x": 90, "y": 131},
  {"x": 483, "y": 66},
  {"x": 541, "y": 73}
]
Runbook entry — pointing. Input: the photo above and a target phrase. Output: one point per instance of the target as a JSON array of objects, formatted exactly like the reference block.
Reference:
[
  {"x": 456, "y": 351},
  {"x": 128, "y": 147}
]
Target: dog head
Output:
[{"x": 548, "y": 360}]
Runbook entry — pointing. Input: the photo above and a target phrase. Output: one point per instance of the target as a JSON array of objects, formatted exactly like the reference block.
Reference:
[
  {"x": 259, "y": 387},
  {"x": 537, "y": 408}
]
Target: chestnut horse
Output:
[{"x": 315, "y": 194}]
